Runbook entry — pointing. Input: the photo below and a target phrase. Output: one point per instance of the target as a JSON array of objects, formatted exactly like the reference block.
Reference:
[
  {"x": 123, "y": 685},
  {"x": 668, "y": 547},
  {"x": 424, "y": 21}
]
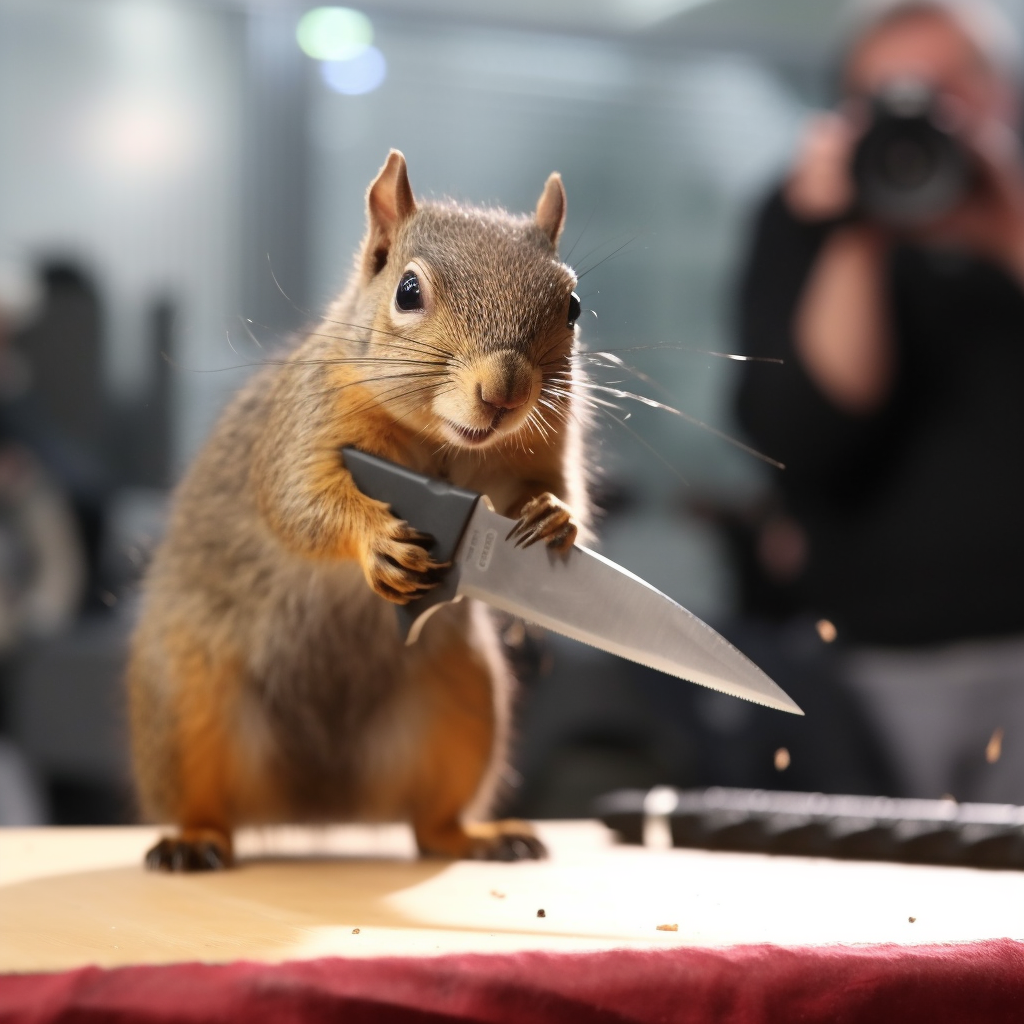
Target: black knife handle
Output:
[{"x": 426, "y": 504}]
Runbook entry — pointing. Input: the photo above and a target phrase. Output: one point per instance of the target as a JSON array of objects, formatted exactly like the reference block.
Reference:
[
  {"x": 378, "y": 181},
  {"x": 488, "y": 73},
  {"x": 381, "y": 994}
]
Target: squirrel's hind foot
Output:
[
  {"x": 206, "y": 852},
  {"x": 505, "y": 840},
  {"x": 486, "y": 840}
]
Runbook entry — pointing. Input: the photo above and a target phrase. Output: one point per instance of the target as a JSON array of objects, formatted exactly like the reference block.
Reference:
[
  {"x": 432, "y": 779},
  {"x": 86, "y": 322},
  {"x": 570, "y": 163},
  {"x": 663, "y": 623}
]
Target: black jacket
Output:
[{"x": 915, "y": 514}]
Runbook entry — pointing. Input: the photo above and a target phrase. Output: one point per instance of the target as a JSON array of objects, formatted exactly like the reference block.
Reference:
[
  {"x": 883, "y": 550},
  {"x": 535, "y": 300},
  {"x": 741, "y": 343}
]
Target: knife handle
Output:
[{"x": 431, "y": 506}]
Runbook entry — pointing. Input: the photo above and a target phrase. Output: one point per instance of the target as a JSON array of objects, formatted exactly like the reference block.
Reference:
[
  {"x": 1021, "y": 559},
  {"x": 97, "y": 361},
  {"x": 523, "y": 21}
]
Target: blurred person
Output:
[
  {"x": 897, "y": 411},
  {"x": 52, "y": 404},
  {"x": 42, "y": 568}
]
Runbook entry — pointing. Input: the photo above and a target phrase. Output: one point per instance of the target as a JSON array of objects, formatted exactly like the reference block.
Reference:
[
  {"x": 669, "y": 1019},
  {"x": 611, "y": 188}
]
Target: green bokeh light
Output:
[{"x": 334, "y": 33}]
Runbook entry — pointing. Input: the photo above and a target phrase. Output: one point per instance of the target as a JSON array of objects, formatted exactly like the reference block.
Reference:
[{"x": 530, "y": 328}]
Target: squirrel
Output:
[{"x": 266, "y": 678}]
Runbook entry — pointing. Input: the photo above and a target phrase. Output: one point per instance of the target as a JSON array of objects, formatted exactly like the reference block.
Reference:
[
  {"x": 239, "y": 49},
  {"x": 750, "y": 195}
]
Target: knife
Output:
[{"x": 577, "y": 593}]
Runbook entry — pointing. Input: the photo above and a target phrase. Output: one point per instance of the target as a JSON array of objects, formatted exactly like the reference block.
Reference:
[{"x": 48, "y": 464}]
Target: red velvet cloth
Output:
[{"x": 975, "y": 982}]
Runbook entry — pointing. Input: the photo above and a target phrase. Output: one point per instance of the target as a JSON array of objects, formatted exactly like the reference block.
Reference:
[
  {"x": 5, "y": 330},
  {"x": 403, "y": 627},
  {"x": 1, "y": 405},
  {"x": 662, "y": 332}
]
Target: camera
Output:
[{"x": 908, "y": 168}]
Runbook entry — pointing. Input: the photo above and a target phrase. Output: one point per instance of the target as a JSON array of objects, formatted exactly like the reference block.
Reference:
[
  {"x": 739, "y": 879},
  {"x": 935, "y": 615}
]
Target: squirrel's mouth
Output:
[{"x": 470, "y": 435}]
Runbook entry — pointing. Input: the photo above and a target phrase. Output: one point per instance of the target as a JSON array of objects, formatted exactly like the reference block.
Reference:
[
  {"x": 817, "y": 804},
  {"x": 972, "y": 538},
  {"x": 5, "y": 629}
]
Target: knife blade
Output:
[{"x": 578, "y": 593}]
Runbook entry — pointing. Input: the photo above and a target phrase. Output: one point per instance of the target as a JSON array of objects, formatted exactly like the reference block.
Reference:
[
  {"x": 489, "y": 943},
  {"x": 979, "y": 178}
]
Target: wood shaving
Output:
[
  {"x": 497, "y": 895},
  {"x": 355, "y": 931},
  {"x": 668, "y": 928},
  {"x": 994, "y": 750},
  {"x": 826, "y": 630}
]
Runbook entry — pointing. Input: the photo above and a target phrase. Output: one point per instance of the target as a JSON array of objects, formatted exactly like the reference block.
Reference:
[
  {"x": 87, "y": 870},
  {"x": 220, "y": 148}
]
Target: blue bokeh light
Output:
[{"x": 357, "y": 76}]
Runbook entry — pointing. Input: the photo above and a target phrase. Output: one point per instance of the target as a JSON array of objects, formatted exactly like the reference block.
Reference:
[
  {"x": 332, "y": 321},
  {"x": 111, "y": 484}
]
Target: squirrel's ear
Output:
[
  {"x": 389, "y": 204},
  {"x": 551, "y": 208}
]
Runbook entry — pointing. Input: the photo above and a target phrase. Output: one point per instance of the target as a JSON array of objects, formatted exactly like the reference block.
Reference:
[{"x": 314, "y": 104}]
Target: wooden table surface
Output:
[{"x": 76, "y": 896}]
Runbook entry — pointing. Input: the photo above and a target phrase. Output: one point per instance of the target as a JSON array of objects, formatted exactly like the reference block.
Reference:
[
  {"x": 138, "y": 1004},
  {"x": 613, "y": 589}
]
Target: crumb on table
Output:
[
  {"x": 542, "y": 912},
  {"x": 668, "y": 928}
]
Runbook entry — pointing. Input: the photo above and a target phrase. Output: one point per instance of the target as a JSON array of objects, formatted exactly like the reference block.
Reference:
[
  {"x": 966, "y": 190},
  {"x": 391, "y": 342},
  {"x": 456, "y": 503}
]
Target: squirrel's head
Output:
[{"x": 470, "y": 312}]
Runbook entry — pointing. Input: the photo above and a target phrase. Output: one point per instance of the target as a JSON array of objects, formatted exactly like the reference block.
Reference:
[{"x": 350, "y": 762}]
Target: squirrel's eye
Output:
[
  {"x": 408, "y": 295},
  {"x": 574, "y": 309}
]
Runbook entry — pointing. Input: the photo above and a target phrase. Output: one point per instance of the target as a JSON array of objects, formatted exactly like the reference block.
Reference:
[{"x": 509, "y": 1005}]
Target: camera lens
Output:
[
  {"x": 907, "y": 167},
  {"x": 907, "y": 164}
]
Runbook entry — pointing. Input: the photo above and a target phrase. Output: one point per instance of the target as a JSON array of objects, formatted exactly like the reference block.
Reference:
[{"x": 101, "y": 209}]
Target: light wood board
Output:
[{"x": 70, "y": 897}]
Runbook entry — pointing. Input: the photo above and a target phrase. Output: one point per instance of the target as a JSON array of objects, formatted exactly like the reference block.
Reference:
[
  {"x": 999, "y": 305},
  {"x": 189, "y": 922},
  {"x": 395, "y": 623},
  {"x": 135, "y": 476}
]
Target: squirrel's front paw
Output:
[
  {"x": 397, "y": 565},
  {"x": 548, "y": 519}
]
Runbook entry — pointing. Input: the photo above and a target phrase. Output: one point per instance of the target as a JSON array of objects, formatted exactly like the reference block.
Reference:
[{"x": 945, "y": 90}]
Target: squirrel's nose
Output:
[
  {"x": 505, "y": 402},
  {"x": 507, "y": 384}
]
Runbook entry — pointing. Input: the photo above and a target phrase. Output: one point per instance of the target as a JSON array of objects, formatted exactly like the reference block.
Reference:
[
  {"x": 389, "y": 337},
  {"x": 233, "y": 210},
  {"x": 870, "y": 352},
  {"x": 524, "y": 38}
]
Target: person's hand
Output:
[
  {"x": 990, "y": 219},
  {"x": 820, "y": 185}
]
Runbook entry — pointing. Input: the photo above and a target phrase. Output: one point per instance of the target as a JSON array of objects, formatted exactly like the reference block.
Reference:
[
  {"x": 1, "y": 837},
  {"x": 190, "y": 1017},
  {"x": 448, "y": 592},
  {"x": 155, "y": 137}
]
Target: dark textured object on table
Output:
[{"x": 816, "y": 824}]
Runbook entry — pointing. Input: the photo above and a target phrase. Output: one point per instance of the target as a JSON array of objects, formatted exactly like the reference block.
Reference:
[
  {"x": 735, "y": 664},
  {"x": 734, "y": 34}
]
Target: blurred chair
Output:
[{"x": 22, "y": 802}]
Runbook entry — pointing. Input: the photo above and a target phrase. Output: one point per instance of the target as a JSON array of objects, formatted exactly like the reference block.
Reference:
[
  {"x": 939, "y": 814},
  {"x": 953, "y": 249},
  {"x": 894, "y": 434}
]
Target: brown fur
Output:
[{"x": 267, "y": 681}]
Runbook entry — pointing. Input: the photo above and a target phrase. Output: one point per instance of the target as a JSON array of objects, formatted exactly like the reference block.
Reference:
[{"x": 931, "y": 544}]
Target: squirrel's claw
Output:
[
  {"x": 510, "y": 848},
  {"x": 423, "y": 540},
  {"x": 545, "y": 518},
  {"x": 505, "y": 840},
  {"x": 398, "y": 566},
  {"x": 183, "y": 855},
  {"x": 530, "y": 538}
]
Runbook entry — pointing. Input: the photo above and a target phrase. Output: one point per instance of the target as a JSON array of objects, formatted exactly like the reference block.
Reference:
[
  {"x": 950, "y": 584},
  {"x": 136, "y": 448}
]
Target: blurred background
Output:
[{"x": 181, "y": 187}]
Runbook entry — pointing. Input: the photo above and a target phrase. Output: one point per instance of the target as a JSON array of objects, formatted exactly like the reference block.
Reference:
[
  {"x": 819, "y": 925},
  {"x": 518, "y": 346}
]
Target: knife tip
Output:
[{"x": 786, "y": 703}]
